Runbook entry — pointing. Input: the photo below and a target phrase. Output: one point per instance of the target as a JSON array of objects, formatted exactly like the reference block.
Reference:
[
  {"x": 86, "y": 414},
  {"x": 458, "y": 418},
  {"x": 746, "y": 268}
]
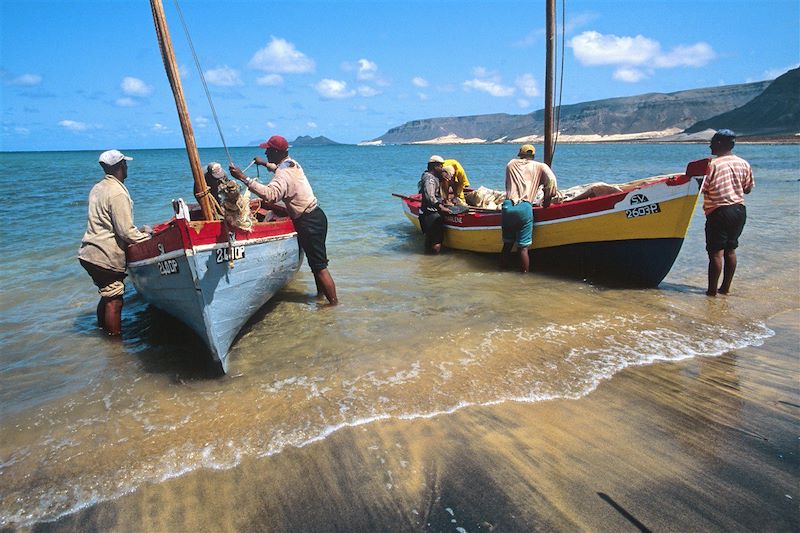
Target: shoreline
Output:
[{"x": 704, "y": 444}]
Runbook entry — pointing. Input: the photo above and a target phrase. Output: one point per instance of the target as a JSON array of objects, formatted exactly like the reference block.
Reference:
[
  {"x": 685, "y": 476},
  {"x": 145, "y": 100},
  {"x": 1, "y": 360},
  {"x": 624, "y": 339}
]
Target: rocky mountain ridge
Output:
[{"x": 646, "y": 114}]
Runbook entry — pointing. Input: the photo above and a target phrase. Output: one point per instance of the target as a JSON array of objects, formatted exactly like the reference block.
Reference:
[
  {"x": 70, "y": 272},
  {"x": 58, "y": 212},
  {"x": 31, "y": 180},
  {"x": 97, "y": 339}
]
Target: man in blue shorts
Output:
[{"x": 524, "y": 176}]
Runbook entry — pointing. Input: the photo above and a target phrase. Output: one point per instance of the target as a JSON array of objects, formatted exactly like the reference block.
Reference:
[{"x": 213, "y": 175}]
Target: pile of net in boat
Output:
[
  {"x": 486, "y": 198},
  {"x": 236, "y": 206}
]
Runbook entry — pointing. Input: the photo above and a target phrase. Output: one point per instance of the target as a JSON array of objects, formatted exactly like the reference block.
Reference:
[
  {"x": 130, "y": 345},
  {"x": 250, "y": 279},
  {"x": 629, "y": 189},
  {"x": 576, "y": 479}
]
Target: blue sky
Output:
[{"x": 88, "y": 74}]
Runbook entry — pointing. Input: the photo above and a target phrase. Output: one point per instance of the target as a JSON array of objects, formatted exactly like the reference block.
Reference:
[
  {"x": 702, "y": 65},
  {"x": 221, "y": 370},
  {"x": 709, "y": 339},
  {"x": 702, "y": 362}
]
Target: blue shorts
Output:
[{"x": 517, "y": 223}]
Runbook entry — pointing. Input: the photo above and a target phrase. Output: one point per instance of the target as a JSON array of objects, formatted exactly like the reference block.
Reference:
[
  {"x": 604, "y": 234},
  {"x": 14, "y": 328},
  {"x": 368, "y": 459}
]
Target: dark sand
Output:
[{"x": 708, "y": 444}]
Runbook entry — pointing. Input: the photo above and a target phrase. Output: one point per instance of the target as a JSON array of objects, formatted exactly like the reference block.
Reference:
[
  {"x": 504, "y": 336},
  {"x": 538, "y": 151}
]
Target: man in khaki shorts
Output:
[{"x": 109, "y": 230}]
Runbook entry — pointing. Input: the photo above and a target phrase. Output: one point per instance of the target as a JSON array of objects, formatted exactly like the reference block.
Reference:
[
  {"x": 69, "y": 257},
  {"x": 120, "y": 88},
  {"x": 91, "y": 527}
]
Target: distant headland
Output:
[{"x": 765, "y": 111}]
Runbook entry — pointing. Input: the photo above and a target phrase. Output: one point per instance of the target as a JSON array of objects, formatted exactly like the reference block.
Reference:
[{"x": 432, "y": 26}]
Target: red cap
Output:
[{"x": 276, "y": 142}]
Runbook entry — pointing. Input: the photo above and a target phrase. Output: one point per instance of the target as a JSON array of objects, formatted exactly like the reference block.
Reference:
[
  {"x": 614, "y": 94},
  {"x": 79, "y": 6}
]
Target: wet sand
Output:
[{"x": 707, "y": 444}]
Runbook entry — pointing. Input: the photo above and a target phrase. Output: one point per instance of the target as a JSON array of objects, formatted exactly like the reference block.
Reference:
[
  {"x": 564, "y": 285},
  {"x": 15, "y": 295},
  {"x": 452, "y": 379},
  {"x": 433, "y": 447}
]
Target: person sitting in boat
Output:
[
  {"x": 109, "y": 230},
  {"x": 214, "y": 177},
  {"x": 729, "y": 178},
  {"x": 524, "y": 176},
  {"x": 291, "y": 185},
  {"x": 432, "y": 209},
  {"x": 454, "y": 180}
]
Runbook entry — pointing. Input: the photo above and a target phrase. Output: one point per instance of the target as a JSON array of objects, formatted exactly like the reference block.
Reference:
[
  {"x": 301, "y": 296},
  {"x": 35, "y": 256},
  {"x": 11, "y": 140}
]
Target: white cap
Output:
[
  {"x": 450, "y": 170},
  {"x": 436, "y": 159},
  {"x": 215, "y": 169},
  {"x": 112, "y": 157}
]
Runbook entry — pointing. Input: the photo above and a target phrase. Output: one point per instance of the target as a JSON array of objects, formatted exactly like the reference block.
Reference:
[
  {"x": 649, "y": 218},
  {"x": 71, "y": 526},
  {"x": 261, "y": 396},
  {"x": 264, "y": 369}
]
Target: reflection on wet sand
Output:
[{"x": 708, "y": 444}]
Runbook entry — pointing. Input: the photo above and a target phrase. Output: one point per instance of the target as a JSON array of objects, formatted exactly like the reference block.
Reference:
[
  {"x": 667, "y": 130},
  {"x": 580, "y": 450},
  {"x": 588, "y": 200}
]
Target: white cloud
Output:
[
  {"x": 270, "y": 124},
  {"x": 593, "y": 48},
  {"x": 126, "y": 101},
  {"x": 366, "y": 69},
  {"x": 312, "y": 125},
  {"x": 135, "y": 87},
  {"x": 490, "y": 87},
  {"x": 419, "y": 82},
  {"x": 26, "y": 80},
  {"x": 159, "y": 128},
  {"x": 696, "y": 55},
  {"x": 200, "y": 121},
  {"x": 629, "y": 74},
  {"x": 367, "y": 91},
  {"x": 223, "y": 76},
  {"x": 481, "y": 72},
  {"x": 522, "y": 103},
  {"x": 74, "y": 125},
  {"x": 333, "y": 89},
  {"x": 527, "y": 84},
  {"x": 423, "y": 96},
  {"x": 270, "y": 80},
  {"x": 771, "y": 74},
  {"x": 280, "y": 56}
]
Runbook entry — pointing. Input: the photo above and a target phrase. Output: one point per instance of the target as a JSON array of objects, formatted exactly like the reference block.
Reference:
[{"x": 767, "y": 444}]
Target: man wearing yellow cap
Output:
[
  {"x": 524, "y": 176},
  {"x": 454, "y": 179}
]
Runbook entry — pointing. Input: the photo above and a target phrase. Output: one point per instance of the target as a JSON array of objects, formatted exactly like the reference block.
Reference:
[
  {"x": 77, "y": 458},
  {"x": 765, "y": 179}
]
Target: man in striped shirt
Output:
[{"x": 729, "y": 178}]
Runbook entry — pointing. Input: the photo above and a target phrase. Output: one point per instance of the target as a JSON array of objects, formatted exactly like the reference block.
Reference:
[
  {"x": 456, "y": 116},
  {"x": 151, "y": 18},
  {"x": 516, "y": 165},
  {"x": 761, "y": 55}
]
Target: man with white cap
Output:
[
  {"x": 524, "y": 176},
  {"x": 214, "y": 176},
  {"x": 432, "y": 208},
  {"x": 109, "y": 230}
]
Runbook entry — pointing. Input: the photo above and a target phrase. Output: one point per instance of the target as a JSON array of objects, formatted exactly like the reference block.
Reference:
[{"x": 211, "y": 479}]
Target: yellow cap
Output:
[{"x": 526, "y": 149}]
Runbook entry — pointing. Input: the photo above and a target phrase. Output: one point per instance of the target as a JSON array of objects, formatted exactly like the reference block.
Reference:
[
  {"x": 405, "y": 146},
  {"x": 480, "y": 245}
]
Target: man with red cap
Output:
[{"x": 291, "y": 185}]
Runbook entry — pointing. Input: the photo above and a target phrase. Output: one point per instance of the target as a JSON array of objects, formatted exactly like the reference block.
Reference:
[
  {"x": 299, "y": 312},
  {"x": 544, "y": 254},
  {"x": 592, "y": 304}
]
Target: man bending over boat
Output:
[
  {"x": 454, "y": 178},
  {"x": 524, "y": 176},
  {"x": 109, "y": 230},
  {"x": 291, "y": 185},
  {"x": 432, "y": 209},
  {"x": 729, "y": 178}
]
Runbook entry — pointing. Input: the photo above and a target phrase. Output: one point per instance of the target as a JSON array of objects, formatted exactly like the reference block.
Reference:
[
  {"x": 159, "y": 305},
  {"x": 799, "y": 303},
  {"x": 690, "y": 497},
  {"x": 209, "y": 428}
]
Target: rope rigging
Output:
[{"x": 203, "y": 79}]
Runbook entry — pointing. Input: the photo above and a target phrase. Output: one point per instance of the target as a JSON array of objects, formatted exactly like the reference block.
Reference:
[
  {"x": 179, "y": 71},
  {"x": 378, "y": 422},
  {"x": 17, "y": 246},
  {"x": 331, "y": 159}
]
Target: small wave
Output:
[{"x": 544, "y": 365}]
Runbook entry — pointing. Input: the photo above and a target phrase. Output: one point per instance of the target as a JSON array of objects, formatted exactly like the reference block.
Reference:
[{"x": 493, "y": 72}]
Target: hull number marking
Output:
[
  {"x": 167, "y": 267},
  {"x": 642, "y": 210},
  {"x": 224, "y": 254}
]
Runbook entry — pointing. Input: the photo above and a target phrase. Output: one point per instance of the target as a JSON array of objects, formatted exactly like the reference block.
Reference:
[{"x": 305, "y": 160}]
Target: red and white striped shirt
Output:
[{"x": 729, "y": 176}]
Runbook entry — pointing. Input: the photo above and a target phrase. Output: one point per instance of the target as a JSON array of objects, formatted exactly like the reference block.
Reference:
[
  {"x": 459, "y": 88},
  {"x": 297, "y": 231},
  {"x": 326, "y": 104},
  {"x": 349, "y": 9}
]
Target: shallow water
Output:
[{"x": 86, "y": 418}]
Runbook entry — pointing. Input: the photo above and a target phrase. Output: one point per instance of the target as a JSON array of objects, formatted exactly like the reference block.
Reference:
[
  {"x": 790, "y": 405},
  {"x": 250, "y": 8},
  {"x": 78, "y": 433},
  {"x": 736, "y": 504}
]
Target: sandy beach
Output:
[{"x": 706, "y": 444}]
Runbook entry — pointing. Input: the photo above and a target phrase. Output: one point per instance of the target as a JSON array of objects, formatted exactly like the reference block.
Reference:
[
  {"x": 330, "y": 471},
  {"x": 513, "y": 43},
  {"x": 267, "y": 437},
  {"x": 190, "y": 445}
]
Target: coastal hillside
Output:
[
  {"x": 652, "y": 112},
  {"x": 776, "y": 111}
]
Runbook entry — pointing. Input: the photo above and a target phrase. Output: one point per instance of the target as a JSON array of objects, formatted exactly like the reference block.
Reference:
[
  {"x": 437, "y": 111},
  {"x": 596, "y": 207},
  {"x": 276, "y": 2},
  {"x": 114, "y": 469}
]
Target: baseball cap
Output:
[
  {"x": 527, "y": 149},
  {"x": 112, "y": 157},
  {"x": 436, "y": 159},
  {"x": 450, "y": 170},
  {"x": 276, "y": 142},
  {"x": 215, "y": 169},
  {"x": 724, "y": 134}
]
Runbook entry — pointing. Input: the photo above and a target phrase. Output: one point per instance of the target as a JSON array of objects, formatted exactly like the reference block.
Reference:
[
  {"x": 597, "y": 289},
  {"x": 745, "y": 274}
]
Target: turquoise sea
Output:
[{"x": 86, "y": 419}]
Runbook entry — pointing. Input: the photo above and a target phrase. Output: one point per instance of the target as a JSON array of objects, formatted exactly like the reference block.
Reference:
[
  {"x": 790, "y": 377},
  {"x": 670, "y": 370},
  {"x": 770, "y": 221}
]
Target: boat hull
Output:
[
  {"x": 630, "y": 237},
  {"x": 212, "y": 280}
]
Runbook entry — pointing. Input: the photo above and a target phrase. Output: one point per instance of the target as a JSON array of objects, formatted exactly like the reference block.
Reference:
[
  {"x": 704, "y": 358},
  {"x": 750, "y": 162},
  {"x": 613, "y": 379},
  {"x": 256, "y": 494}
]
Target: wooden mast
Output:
[
  {"x": 168, "y": 55},
  {"x": 550, "y": 26}
]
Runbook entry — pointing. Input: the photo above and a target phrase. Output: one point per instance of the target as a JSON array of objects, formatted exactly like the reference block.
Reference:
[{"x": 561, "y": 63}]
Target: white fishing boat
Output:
[{"x": 205, "y": 271}]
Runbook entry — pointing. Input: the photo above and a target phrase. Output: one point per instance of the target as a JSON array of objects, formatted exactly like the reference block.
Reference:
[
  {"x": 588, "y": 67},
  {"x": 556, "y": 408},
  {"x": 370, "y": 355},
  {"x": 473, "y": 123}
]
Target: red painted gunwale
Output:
[
  {"x": 554, "y": 212},
  {"x": 180, "y": 234}
]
